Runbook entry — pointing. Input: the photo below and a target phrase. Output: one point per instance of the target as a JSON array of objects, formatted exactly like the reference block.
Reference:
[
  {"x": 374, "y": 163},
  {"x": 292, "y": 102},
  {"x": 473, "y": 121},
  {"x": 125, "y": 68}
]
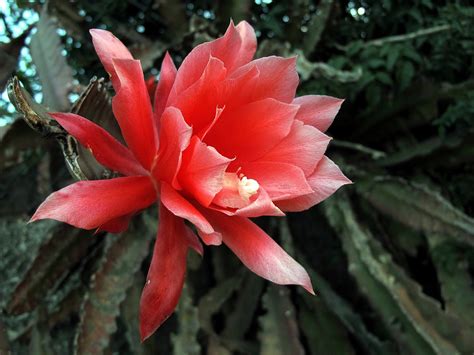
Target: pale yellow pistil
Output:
[{"x": 247, "y": 187}]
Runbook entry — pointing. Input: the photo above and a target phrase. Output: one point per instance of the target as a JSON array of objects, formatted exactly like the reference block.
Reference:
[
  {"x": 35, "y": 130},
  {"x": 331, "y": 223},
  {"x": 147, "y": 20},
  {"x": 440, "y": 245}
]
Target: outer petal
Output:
[
  {"x": 214, "y": 238},
  {"x": 325, "y": 180},
  {"x": 278, "y": 78},
  {"x": 91, "y": 204},
  {"x": 202, "y": 171},
  {"x": 166, "y": 274},
  {"x": 180, "y": 207},
  {"x": 234, "y": 49},
  {"x": 175, "y": 135},
  {"x": 318, "y": 110},
  {"x": 258, "y": 251},
  {"x": 303, "y": 147},
  {"x": 248, "y": 46},
  {"x": 163, "y": 89},
  {"x": 105, "y": 148},
  {"x": 116, "y": 225},
  {"x": 252, "y": 130},
  {"x": 132, "y": 109},
  {"x": 109, "y": 47},
  {"x": 280, "y": 180}
]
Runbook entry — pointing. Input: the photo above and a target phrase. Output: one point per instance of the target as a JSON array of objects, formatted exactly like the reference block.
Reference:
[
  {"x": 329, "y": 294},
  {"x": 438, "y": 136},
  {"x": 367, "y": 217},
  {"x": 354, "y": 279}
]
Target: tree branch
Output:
[
  {"x": 408, "y": 36},
  {"x": 316, "y": 26},
  {"x": 400, "y": 38}
]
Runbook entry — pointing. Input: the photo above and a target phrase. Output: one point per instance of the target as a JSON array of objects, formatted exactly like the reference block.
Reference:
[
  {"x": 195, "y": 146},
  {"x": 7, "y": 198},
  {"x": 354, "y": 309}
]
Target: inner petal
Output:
[{"x": 237, "y": 191}]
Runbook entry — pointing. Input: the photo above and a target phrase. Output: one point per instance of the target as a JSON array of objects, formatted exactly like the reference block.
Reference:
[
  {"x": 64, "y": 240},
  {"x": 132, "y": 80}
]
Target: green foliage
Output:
[{"x": 390, "y": 257}]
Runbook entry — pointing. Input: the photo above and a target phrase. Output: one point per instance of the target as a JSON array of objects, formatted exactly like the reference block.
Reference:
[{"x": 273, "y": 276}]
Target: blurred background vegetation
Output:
[{"x": 391, "y": 257}]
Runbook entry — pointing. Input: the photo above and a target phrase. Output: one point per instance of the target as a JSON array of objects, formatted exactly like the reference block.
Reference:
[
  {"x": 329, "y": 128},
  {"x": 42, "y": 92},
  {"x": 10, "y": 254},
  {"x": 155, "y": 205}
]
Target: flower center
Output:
[{"x": 247, "y": 187}]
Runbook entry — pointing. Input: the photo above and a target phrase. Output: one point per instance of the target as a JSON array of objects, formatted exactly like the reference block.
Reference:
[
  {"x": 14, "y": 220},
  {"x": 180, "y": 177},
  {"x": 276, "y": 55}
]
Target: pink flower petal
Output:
[
  {"x": 252, "y": 130},
  {"x": 326, "y": 179},
  {"x": 231, "y": 202},
  {"x": 175, "y": 136},
  {"x": 318, "y": 110},
  {"x": 166, "y": 274},
  {"x": 109, "y": 47},
  {"x": 132, "y": 109},
  {"x": 163, "y": 89},
  {"x": 237, "y": 89},
  {"x": 105, "y": 148},
  {"x": 202, "y": 171},
  {"x": 303, "y": 147},
  {"x": 199, "y": 102},
  {"x": 277, "y": 79},
  {"x": 213, "y": 238},
  {"x": 91, "y": 204},
  {"x": 280, "y": 180},
  {"x": 248, "y": 45},
  {"x": 116, "y": 225},
  {"x": 181, "y": 207},
  {"x": 258, "y": 251},
  {"x": 261, "y": 206},
  {"x": 237, "y": 47}
]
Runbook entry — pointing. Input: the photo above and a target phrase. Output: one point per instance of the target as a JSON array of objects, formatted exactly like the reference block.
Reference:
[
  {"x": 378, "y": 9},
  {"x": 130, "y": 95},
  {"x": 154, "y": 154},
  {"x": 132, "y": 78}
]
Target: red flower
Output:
[{"x": 224, "y": 140}]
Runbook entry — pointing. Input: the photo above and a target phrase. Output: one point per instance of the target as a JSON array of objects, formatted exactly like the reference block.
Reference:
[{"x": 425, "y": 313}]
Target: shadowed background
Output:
[{"x": 391, "y": 257}]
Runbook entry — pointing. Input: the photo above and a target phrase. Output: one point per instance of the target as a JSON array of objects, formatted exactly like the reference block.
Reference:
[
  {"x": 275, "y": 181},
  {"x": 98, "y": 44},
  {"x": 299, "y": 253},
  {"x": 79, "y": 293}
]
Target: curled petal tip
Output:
[
  {"x": 214, "y": 238},
  {"x": 36, "y": 217},
  {"x": 97, "y": 32},
  {"x": 309, "y": 288}
]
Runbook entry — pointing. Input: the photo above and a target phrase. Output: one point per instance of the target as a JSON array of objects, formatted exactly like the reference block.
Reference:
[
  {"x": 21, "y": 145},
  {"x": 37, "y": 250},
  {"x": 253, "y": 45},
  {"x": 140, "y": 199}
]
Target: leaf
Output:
[
  {"x": 390, "y": 315},
  {"x": 129, "y": 311},
  {"x": 34, "y": 114},
  {"x": 423, "y": 149},
  {"x": 418, "y": 207},
  {"x": 279, "y": 333},
  {"x": 405, "y": 75},
  {"x": 53, "y": 71},
  {"x": 354, "y": 47},
  {"x": 384, "y": 78},
  {"x": 121, "y": 260},
  {"x": 322, "y": 330},
  {"x": 452, "y": 264},
  {"x": 40, "y": 340},
  {"x": 343, "y": 311},
  {"x": 94, "y": 101},
  {"x": 445, "y": 333},
  {"x": 373, "y": 94},
  {"x": 95, "y": 105},
  {"x": 4, "y": 342},
  {"x": 248, "y": 297},
  {"x": 185, "y": 339},
  {"x": 375, "y": 63},
  {"x": 308, "y": 69},
  {"x": 411, "y": 53},
  {"x": 210, "y": 303},
  {"x": 392, "y": 57},
  {"x": 55, "y": 258}
]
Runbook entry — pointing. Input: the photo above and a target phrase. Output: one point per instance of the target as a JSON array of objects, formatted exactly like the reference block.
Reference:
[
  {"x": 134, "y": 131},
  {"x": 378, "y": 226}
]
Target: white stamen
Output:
[{"x": 248, "y": 187}]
